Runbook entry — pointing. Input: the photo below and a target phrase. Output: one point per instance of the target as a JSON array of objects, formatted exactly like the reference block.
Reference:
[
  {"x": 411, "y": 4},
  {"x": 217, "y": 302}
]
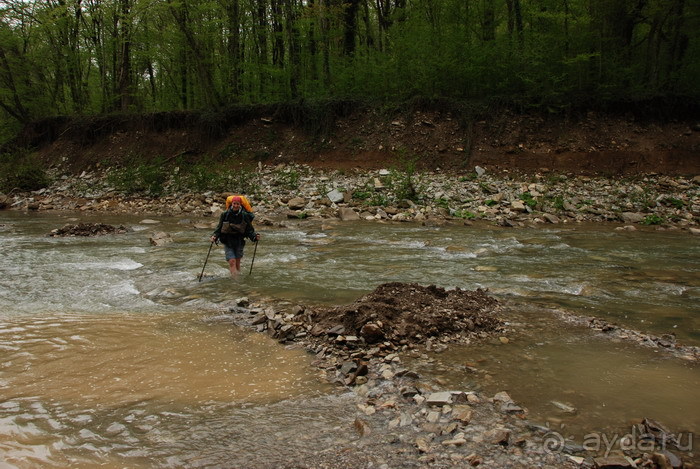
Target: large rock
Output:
[
  {"x": 348, "y": 214},
  {"x": 335, "y": 196},
  {"x": 440, "y": 398},
  {"x": 518, "y": 206},
  {"x": 631, "y": 217},
  {"x": 297, "y": 203},
  {"x": 551, "y": 218},
  {"x": 160, "y": 238},
  {"x": 372, "y": 333}
]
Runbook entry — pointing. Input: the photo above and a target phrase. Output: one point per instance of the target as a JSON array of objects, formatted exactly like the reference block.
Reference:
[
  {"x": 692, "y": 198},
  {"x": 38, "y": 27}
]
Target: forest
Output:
[{"x": 96, "y": 57}]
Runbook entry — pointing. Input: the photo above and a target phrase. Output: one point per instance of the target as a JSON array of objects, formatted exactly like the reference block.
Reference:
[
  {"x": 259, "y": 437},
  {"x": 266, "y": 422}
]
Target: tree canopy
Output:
[{"x": 85, "y": 57}]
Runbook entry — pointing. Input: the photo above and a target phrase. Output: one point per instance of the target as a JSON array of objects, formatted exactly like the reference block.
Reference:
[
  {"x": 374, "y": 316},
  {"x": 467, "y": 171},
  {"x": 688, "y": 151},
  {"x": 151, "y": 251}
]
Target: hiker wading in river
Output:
[{"x": 235, "y": 224}]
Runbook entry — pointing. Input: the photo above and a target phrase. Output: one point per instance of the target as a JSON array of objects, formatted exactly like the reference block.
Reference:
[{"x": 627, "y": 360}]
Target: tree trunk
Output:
[
  {"x": 277, "y": 33},
  {"x": 16, "y": 109},
  {"x": 488, "y": 25},
  {"x": 350, "y": 26},
  {"x": 124, "y": 72},
  {"x": 261, "y": 36},
  {"x": 294, "y": 48},
  {"x": 235, "y": 54}
]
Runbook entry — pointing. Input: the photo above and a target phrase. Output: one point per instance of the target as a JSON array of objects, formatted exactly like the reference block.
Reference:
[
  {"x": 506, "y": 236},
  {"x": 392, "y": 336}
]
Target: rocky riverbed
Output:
[
  {"x": 407, "y": 420},
  {"x": 296, "y": 191},
  {"x": 403, "y": 419}
]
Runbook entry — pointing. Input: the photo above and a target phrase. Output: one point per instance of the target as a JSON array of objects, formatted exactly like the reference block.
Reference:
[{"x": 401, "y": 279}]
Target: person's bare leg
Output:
[{"x": 234, "y": 266}]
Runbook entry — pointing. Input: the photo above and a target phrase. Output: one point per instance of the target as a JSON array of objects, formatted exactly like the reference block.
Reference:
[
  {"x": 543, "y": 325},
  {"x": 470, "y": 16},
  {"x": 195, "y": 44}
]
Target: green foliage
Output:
[
  {"x": 643, "y": 200},
  {"x": 490, "y": 203},
  {"x": 22, "y": 172},
  {"x": 558, "y": 202},
  {"x": 552, "y": 56},
  {"x": 207, "y": 176},
  {"x": 442, "y": 202},
  {"x": 378, "y": 200},
  {"x": 652, "y": 219},
  {"x": 287, "y": 178},
  {"x": 485, "y": 188},
  {"x": 528, "y": 199},
  {"x": 198, "y": 178},
  {"x": 363, "y": 193},
  {"x": 465, "y": 214},
  {"x": 674, "y": 202},
  {"x": 404, "y": 182},
  {"x": 555, "y": 179},
  {"x": 142, "y": 178},
  {"x": 468, "y": 177},
  {"x": 322, "y": 188}
]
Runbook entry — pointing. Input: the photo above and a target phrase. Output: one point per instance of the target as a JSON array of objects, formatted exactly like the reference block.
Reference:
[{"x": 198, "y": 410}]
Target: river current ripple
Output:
[{"x": 112, "y": 352}]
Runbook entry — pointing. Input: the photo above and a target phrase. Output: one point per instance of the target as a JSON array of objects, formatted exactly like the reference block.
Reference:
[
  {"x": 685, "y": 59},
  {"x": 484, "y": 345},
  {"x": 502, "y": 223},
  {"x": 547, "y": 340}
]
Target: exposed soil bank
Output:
[{"x": 351, "y": 136}]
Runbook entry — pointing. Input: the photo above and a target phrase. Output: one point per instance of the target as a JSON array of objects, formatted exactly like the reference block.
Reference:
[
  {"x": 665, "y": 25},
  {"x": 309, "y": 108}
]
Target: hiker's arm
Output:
[
  {"x": 250, "y": 232},
  {"x": 217, "y": 232}
]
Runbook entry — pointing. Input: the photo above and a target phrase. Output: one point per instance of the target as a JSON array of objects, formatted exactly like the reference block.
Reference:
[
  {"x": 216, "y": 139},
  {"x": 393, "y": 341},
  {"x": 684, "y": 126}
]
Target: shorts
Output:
[{"x": 235, "y": 251}]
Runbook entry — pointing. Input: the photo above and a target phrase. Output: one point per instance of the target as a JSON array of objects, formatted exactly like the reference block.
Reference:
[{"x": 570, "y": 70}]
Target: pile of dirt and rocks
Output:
[
  {"x": 404, "y": 419},
  {"x": 409, "y": 313},
  {"x": 87, "y": 229},
  {"x": 393, "y": 318}
]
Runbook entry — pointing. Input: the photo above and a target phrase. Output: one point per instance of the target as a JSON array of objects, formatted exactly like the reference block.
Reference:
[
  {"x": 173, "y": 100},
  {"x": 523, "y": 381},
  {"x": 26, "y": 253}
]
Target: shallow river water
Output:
[{"x": 112, "y": 353}]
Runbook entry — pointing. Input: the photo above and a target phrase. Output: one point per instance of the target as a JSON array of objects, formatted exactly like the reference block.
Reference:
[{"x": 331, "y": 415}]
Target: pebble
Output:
[{"x": 443, "y": 198}]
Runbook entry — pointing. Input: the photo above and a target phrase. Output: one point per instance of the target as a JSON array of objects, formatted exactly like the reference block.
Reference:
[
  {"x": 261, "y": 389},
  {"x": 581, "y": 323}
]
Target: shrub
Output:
[
  {"x": 466, "y": 214},
  {"x": 528, "y": 199},
  {"x": 142, "y": 178},
  {"x": 652, "y": 219},
  {"x": 673, "y": 202},
  {"x": 23, "y": 173},
  {"x": 404, "y": 182},
  {"x": 442, "y": 202},
  {"x": 362, "y": 194},
  {"x": 288, "y": 179},
  {"x": 558, "y": 202}
]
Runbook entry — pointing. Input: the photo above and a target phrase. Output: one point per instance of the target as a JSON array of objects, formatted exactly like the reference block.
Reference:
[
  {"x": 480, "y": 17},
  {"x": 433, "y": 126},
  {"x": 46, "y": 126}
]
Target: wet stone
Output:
[
  {"x": 612, "y": 462},
  {"x": 439, "y": 398}
]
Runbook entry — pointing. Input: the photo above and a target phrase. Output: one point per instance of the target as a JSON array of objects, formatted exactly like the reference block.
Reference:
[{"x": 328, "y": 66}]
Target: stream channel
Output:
[{"x": 113, "y": 354}]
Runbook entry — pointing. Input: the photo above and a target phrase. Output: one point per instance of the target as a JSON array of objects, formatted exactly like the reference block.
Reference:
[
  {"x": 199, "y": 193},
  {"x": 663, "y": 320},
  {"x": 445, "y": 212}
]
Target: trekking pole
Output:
[
  {"x": 253, "y": 260},
  {"x": 205, "y": 261}
]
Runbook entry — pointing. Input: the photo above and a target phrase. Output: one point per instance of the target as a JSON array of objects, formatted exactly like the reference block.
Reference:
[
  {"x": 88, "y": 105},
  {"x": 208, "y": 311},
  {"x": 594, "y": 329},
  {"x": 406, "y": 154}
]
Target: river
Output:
[{"x": 113, "y": 353}]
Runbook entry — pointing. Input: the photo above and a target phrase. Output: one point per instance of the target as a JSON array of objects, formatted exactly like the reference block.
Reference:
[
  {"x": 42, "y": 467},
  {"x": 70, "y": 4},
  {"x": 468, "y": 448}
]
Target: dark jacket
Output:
[{"x": 237, "y": 218}]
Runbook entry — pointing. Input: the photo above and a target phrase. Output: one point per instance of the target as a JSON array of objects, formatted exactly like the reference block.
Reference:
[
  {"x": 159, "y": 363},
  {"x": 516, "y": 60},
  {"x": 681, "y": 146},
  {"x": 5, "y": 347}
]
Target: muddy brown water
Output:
[{"x": 112, "y": 353}]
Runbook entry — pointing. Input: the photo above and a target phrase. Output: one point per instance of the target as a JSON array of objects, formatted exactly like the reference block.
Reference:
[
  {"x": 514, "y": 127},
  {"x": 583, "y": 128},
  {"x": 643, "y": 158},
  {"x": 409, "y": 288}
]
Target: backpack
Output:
[{"x": 244, "y": 202}]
